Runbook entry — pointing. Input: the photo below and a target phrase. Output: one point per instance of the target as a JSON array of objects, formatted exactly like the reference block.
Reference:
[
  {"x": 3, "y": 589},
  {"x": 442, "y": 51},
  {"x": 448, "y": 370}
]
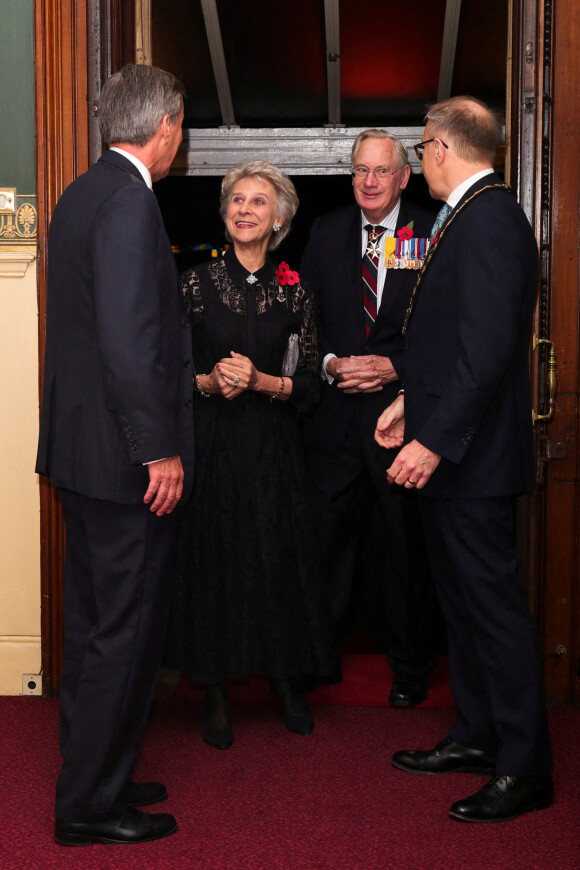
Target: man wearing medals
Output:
[
  {"x": 360, "y": 261},
  {"x": 465, "y": 419}
]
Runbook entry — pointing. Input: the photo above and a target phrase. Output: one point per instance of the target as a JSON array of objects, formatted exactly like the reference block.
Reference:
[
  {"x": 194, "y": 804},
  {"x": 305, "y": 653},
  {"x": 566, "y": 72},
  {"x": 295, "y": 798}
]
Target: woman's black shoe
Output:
[
  {"x": 295, "y": 712},
  {"x": 217, "y": 724}
]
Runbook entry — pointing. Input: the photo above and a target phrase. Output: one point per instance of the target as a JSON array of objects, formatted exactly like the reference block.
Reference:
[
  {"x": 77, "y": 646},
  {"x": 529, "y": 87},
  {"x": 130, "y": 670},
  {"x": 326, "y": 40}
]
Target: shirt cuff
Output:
[{"x": 325, "y": 376}]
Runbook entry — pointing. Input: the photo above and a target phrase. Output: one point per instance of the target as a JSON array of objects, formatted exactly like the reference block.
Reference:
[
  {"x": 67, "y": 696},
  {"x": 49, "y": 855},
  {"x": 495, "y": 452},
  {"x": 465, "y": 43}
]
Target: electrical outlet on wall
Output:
[{"x": 31, "y": 684}]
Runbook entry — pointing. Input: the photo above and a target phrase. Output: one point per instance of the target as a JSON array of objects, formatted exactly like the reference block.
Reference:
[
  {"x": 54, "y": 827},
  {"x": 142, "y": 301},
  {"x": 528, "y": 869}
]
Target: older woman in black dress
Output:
[{"x": 247, "y": 595}]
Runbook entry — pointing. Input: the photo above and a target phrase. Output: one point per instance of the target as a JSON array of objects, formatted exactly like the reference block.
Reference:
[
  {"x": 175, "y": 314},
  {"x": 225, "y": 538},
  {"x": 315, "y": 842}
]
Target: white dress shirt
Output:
[
  {"x": 146, "y": 175},
  {"x": 456, "y": 194}
]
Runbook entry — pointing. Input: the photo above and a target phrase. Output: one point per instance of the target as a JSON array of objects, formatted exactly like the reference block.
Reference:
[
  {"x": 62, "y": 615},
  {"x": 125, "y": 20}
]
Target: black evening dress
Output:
[{"x": 247, "y": 592}]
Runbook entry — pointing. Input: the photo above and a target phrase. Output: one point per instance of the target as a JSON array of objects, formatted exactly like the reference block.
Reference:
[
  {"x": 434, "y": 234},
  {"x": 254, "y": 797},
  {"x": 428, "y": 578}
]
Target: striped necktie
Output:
[
  {"x": 370, "y": 268},
  {"x": 440, "y": 220}
]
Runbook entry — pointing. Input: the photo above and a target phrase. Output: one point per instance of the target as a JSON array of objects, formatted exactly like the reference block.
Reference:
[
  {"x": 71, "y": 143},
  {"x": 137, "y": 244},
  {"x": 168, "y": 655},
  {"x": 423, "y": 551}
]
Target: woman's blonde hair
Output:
[{"x": 286, "y": 196}]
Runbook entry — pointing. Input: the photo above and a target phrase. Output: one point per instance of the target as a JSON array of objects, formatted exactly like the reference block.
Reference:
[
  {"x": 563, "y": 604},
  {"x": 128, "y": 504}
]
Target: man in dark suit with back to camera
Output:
[
  {"x": 361, "y": 262},
  {"x": 465, "y": 418},
  {"x": 116, "y": 438}
]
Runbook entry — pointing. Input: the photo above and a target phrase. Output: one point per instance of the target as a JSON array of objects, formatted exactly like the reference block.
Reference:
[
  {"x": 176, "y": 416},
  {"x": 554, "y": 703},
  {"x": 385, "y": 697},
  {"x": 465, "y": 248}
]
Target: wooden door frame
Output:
[
  {"x": 559, "y": 193},
  {"x": 544, "y": 123},
  {"x": 78, "y": 43},
  {"x": 60, "y": 30}
]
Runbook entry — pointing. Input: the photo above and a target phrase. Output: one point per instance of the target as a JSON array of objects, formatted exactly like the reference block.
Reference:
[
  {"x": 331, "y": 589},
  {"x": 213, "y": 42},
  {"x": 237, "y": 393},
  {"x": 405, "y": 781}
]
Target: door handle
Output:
[{"x": 551, "y": 365}]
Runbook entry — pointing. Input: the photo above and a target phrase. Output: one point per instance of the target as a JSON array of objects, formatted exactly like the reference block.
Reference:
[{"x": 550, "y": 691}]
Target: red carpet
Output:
[{"x": 276, "y": 801}]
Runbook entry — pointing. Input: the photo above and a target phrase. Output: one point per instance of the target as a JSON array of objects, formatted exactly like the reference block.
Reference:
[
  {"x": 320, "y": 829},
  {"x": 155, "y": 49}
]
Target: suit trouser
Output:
[
  {"x": 494, "y": 654},
  {"x": 116, "y": 605},
  {"x": 343, "y": 481}
]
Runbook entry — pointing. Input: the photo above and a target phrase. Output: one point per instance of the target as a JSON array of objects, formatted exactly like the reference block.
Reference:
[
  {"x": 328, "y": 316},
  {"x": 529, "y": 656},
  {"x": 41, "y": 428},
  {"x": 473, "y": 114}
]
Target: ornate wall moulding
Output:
[
  {"x": 19, "y": 226},
  {"x": 13, "y": 264}
]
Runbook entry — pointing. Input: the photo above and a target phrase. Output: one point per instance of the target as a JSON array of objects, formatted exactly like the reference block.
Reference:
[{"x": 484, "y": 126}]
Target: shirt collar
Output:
[
  {"x": 239, "y": 273},
  {"x": 146, "y": 175},
  {"x": 456, "y": 194},
  {"x": 389, "y": 222}
]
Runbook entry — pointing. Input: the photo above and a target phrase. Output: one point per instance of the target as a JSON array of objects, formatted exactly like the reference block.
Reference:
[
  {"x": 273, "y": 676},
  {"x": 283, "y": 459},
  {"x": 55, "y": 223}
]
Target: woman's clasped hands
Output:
[{"x": 232, "y": 375}]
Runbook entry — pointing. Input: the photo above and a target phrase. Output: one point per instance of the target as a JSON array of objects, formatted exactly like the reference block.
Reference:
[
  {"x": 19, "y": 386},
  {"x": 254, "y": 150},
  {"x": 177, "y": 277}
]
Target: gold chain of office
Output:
[{"x": 435, "y": 247}]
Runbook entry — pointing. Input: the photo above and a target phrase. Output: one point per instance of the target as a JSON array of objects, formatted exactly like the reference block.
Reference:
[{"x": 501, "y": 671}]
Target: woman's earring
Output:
[{"x": 276, "y": 228}]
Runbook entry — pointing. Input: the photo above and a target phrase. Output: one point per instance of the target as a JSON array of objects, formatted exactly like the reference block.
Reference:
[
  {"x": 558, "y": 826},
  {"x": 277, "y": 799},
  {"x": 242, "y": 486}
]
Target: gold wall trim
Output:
[{"x": 19, "y": 228}]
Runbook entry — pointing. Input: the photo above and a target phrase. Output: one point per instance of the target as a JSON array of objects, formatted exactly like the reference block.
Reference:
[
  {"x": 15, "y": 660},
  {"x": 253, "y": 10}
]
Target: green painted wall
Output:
[{"x": 17, "y": 137}]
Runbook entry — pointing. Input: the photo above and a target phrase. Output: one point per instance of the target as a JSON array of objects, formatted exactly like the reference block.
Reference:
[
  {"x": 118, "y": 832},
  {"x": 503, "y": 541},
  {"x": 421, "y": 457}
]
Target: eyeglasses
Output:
[
  {"x": 419, "y": 148},
  {"x": 381, "y": 173}
]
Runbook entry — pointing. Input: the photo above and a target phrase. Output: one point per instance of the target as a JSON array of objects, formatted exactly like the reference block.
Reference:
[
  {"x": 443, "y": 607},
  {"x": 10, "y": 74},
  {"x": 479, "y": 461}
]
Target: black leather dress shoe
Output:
[
  {"x": 447, "y": 757},
  {"x": 132, "y": 827},
  {"x": 408, "y": 691},
  {"x": 142, "y": 794},
  {"x": 504, "y": 798}
]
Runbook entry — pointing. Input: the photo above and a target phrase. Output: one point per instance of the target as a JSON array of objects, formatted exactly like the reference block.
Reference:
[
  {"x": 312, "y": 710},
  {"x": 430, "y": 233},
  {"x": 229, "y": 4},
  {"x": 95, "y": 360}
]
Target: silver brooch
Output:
[{"x": 251, "y": 279}]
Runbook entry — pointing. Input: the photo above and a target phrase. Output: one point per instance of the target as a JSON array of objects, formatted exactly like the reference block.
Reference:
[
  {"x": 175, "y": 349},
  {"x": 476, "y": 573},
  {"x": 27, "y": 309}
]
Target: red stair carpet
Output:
[
  {"x": 366, "y": 681},
  {"x": 276, "y": 801}
]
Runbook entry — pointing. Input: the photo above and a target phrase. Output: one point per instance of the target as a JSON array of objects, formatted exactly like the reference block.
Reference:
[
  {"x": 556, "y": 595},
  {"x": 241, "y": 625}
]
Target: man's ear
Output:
[
  {"x": 439, "y": 151},
  {"x": 165, "y": 126}
]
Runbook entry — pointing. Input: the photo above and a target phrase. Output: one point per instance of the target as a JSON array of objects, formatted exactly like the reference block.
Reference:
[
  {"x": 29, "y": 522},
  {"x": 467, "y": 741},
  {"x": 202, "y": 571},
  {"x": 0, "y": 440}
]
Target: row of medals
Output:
[{"x": 410, "y": 251}]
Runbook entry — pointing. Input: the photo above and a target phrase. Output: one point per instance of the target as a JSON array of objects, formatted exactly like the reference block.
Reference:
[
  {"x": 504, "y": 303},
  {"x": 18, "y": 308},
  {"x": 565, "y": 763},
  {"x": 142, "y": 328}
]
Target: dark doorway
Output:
[{"x": 190, "y": 207}]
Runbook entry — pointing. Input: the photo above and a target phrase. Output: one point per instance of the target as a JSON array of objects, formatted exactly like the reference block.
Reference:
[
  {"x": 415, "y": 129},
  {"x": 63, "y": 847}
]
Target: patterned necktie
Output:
[
  {"x": 370, "y": 267},
  {"x": 440, "y": 220}
]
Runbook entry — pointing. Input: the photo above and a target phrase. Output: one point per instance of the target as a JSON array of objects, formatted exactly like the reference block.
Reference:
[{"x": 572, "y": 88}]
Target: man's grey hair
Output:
[
  {"x": 134, "y": 101},
  {"x": 400, "y": 149}
]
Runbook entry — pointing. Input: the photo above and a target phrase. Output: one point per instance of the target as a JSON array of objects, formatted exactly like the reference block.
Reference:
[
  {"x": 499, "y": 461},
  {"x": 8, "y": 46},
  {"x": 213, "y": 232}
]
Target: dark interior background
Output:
[
  {"x": 276, "y": 59},
  {"x": 190, "y": 208},
  {"x": 276, "y": 63}
]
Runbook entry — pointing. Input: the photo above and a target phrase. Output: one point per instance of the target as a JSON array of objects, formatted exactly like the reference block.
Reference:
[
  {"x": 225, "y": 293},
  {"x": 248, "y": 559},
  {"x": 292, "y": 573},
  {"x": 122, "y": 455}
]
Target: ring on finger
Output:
[
  {"x": 236, "y": 380},
  {"x": 412, "y": 482}
]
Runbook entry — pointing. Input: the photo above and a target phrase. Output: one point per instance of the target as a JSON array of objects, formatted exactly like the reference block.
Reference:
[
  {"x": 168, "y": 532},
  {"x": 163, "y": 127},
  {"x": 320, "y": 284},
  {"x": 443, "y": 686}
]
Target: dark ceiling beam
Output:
[
  {"x": 448, "y": 48},
  {"x": 332, "y": 26},
  {"x": 218, "y": 60}
]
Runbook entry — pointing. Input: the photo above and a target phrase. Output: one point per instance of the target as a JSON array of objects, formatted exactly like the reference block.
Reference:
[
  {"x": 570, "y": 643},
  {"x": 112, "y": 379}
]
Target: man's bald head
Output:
[{"x": 473, "y": 128}]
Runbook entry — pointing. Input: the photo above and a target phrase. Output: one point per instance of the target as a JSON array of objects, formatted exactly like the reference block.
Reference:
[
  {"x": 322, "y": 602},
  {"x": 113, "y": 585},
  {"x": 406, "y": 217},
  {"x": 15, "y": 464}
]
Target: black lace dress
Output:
[{"x": 247, "y": 591}]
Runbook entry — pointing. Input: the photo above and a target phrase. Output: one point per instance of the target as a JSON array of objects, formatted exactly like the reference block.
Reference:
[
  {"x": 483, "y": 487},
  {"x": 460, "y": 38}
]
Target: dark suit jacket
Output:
[
  {"x": 117, "y": 381},
  {"x": 331, "y": 266},
  {"x": 467, "y": 393}
]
